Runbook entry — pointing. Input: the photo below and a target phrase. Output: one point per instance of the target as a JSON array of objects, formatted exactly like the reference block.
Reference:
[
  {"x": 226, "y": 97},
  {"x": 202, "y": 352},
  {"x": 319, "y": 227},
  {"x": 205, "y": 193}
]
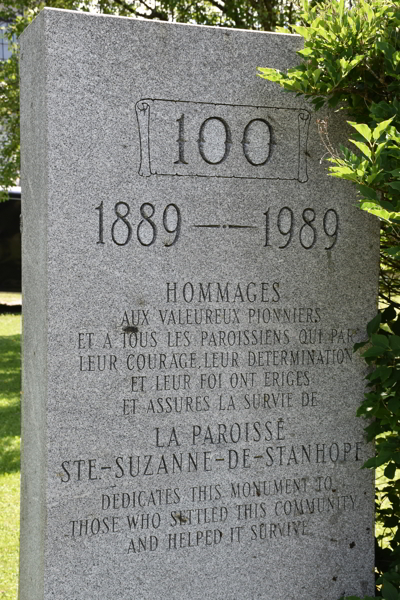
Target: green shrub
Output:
[{"x": 351, "y": 61}]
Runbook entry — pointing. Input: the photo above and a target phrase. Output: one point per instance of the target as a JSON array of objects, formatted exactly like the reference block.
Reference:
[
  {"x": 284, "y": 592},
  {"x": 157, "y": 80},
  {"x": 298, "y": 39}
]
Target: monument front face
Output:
[{"x": 194, "y": 285}]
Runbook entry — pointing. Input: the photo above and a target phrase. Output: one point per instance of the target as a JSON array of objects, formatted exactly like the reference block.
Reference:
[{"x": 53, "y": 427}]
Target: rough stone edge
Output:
[
  {"x": 34, "y": 183},
  {"x": 52, "y": 9}
]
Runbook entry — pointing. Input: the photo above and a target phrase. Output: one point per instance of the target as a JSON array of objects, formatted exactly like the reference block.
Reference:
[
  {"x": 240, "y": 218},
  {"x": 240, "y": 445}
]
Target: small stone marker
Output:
[{"x": 194, "y": 283}]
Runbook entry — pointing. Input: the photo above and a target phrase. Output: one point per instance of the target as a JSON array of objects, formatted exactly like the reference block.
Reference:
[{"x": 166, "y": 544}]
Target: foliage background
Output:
[{"x": 351, "y": 61}]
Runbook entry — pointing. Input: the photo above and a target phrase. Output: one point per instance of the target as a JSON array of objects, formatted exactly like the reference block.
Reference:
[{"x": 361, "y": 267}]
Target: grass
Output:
[
  {"x": 10, "y": 298},
  {"x": 10, "y": 339}
]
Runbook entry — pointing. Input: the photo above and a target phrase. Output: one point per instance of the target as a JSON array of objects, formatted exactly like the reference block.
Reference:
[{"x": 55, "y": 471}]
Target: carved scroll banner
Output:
[{"x": 222, "y": 140}]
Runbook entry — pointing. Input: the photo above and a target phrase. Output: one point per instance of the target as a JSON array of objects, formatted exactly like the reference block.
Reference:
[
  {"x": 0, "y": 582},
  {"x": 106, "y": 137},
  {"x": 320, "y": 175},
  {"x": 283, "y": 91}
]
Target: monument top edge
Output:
[{"x": 50, "y": 11}]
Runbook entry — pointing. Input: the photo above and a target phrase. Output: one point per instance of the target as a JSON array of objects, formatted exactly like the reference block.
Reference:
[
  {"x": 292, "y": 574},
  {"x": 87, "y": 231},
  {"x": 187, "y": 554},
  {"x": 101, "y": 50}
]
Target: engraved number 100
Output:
[{"x": 260, "y": 124}]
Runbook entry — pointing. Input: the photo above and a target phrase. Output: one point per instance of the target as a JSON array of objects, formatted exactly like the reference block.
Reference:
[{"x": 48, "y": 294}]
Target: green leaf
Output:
[
  {"x": 270, "y": 74},
  {"x": 379, "y": 129},
  {"x": 358, "y": 346},
  {"x": 394, "y": 341},
  {"x": 378, "y": 150},
  {"x": 391, "y": 522},
  {"x": 394, "y": 405},
  {"x": 373, "y": 325},
  {"x": 363, "y": 147},
  {"x": 306, "y": 52},
  {"x": 370, "y": 13},
  {"x": 388, "y": 51},
  {"x": 389, "y": 592},
  {"x": 316, "y": 75},
  {"x": 382, "y": 373},
  {"x": 395, "y": 185},
  {"x": 355, "y": 61},
  {"x": 343, "y": 171},
  {"x": 387, "y": 205},
  {"x": 380, "y": 340},
  {"x": 390, "y": 470},
  {"x": 373, "y": 352},
  {"x": 389, "y": 314},
  {"x": 334, "y": 100},
  {"x": 368, "y": 192},
  {"x": 362, "y": 129},
  {"x": 381, "y": 213},
  {"x": 301, "y": 30},
  {"x": 382, "y": 458},
  {"x": 395, "y": 326},
  {"x": 318, "y": 103},
  {"x": 393, "y": 251}
]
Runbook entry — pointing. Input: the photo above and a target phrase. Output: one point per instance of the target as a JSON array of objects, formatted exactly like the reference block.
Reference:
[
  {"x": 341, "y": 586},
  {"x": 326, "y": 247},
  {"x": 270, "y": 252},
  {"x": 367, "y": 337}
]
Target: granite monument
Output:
[{"x": 194, "y": 283}]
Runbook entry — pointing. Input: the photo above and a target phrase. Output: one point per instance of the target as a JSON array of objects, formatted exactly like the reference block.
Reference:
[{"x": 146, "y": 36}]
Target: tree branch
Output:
[
  {"x": 127, "y": 7},
  {"x": 218, "y": 5},
  {"x": 389, "y": 300}
]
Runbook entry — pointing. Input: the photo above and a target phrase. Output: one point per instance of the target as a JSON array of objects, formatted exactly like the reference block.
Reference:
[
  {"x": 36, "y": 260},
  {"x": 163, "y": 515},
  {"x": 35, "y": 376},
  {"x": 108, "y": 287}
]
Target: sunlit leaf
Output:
[{"x": 362, "y": 129}]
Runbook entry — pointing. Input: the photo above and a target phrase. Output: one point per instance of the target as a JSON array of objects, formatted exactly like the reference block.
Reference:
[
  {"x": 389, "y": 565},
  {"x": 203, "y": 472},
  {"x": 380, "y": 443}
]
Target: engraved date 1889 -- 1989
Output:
[{"x": 305, "y": 228}]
